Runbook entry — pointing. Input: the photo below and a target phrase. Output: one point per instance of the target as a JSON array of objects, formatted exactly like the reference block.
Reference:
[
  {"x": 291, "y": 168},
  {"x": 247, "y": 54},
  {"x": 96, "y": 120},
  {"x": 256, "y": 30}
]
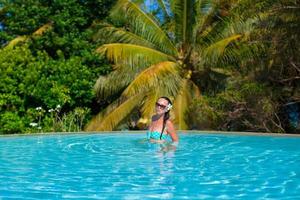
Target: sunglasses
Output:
[{"x": 160, "y": 105}]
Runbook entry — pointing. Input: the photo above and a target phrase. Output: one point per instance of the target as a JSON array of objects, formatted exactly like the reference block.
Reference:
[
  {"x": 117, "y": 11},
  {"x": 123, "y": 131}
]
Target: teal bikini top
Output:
[{"x": 155, "y": 135}]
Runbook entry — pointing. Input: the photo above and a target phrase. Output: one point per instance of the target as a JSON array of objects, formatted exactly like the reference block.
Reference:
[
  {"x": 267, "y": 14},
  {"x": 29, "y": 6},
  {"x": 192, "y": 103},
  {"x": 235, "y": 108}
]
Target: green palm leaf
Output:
[
  {"x": 216, "y": 50},
  {"x": 114, "y": 114},
  {"x": 121, "y": 36},
  {"x": 238, "y": 26},
  {"x": 147, "y": 108},
  {"x": 184, "y": 13},
  {"x": 205, "y": 10},
  {"x": 151, "y": 77},
  {"x": 164, "y": 8},
  {"x": 144, "y": 25},
  {"x": 132, "y": 55},
  {"x": 115, "y": 82}
]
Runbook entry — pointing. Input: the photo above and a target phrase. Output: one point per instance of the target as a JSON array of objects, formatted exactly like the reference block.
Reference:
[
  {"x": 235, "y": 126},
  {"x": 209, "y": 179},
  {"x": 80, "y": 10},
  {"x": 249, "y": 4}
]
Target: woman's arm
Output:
[{"x": 171, "y": 131}]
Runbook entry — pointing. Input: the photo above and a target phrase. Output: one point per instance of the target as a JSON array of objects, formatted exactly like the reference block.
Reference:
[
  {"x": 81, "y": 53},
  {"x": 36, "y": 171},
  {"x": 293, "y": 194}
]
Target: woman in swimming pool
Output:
[{"x": 161, "y": 128}]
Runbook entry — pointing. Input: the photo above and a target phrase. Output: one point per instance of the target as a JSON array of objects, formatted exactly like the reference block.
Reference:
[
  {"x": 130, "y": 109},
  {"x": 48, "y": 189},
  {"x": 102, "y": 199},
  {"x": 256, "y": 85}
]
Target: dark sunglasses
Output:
[{"x": 160, "y": 105}]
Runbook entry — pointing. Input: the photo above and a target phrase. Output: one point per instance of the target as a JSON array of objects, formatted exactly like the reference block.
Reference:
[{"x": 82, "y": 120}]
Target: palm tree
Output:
[{"x": 165, "y": 56}]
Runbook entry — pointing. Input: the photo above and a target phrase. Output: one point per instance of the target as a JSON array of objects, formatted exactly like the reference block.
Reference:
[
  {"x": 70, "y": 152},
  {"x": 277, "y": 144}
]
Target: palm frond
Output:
[
  {"x": 114, "y": 114},
  {"x": 144, "y": 25},
  {"x": 241, "y": 18},
  {"x": 205, "y": 10},
  {"x": 184, "y": 15},
  {"x": 138, "y": 2},
  {"x": 113, "y": 83},
  {"x": 251, "y": 8},
  {"x": 222, "y": 71},
  {"x": 132, "y": 55},
  {"x": 120, "y": 35},
  {"x": 239, "y": 26},
  {"x": 216, "y": 50},
  {"x": 164, "y": 8},
  {"x": 245, "y": 52},
  {"x": 151, "y": 77},
  {"x": 170, "y": 85},
  {"x": 148, "y": 104}
]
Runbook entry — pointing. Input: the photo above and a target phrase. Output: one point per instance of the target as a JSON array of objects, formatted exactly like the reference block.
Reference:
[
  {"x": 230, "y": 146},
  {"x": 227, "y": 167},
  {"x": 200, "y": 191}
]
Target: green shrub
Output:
[
  {"x": 202, "y": 116},
  {"x": 28, "y": 82},
  {"x": 242, "y": 106},
  {"x": 11, "y": 122}
]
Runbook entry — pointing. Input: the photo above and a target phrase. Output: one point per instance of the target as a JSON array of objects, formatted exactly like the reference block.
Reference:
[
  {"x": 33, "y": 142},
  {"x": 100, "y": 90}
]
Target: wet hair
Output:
[{"x": 166, "y": 115}]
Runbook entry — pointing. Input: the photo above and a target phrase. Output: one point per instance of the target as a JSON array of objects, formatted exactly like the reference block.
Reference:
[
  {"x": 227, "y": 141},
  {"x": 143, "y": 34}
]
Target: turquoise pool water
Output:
[{"x": 123, "y": 166}]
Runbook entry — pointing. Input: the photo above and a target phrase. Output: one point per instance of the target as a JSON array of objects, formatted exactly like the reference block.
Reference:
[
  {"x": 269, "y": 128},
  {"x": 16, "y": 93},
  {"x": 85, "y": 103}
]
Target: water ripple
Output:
[{"x": 124, "y": 166}]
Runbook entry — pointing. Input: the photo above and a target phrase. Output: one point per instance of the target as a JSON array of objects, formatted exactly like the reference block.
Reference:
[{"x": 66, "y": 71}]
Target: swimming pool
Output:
[{"x": 123, "y": 166}]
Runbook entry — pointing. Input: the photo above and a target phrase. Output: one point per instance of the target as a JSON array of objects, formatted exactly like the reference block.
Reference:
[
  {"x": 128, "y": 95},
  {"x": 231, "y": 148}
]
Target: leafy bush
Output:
[
  {"x": 243, "y": 106},
  {"x": 202, "y": 116},
  {"x": 28, "y": 82},
  {"x": 56, "y": 66},
  {"x": 11, "y": 122}
]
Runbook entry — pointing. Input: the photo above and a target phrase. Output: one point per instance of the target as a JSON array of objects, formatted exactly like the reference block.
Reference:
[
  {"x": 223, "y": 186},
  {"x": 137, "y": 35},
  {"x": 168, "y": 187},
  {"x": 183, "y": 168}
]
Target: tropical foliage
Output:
[
  {"x": 176, "y": 55},
  {"x": 271, "y": 104},
  {"x": 281, "y": 70},
  {"x": 47, "y": 60},
  {"x": 226, "y": 64}
]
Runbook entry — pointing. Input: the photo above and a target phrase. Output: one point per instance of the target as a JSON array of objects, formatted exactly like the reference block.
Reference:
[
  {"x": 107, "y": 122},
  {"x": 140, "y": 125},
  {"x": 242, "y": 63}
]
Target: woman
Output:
[{"x": 161, "y": 128}]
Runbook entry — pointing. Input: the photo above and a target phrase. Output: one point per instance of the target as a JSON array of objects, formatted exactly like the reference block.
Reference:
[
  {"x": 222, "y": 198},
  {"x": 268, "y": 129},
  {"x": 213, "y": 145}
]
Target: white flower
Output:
[
  {"x": 33, "y": 124},
  {"x": 38, "y": 108},
  {"x": 169, "y": 106},
  {"x": 39, "y": 127},
  {"x": 58, "y": 106},
  {"x": 50, "y": 110}
]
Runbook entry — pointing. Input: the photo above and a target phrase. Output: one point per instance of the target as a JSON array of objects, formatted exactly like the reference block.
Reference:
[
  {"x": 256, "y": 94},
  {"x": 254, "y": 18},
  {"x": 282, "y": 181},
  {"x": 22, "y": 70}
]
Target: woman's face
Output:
[{"x": 161, "y": 106}]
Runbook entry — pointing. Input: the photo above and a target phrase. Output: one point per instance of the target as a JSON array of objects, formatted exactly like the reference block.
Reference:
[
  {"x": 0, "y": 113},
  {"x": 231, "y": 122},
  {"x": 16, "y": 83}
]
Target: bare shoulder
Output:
[{"x": 169, "y": 123}]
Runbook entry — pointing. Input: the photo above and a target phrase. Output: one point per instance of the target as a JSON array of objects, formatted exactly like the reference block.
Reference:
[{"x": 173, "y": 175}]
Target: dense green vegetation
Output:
[
  {"x": 48, "y": 65},
  {"x": 227, "y": 65}
]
